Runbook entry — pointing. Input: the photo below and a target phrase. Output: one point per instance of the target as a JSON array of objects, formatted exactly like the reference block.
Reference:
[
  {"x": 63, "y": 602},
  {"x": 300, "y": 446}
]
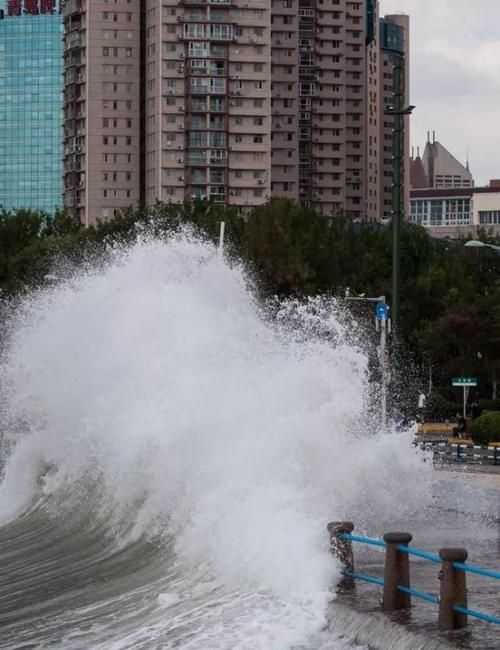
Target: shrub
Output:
[
  {"x": 438, "y": 408},
  {"x": 489, "y": 404},
  {"x": 486, "y": 428}
]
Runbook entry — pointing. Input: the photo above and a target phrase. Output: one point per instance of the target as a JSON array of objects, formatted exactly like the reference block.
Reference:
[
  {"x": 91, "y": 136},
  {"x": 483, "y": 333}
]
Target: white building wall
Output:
[{"x": 486, "y": 202}]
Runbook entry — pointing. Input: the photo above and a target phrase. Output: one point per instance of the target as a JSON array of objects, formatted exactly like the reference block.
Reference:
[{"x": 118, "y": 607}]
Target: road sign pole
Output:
[
  {"x": 381, "y": 315},
  {"x": 383, "y": 341},
  {"x": 465, "y": 383}
]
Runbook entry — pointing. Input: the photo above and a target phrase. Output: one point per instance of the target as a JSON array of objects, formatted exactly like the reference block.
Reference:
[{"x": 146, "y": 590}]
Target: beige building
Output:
[
  {"x": 102, "y": 111},
  {"x": 226, "y": 100},
  {"x": 208, "y": 102}
]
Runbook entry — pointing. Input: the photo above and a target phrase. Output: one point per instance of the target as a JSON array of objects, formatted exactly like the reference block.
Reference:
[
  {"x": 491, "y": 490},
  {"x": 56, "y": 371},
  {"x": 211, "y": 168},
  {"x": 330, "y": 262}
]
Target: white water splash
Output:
[{"x": 160, "y": 376}]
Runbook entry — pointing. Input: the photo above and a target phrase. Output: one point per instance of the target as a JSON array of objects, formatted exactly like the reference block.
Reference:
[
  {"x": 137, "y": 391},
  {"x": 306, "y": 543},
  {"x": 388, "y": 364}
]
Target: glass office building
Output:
[{"x": 31, "y": 86}]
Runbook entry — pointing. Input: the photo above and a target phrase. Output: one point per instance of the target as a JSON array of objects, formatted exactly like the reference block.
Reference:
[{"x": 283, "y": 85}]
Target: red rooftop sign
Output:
[{"x": 32, "y": 7}]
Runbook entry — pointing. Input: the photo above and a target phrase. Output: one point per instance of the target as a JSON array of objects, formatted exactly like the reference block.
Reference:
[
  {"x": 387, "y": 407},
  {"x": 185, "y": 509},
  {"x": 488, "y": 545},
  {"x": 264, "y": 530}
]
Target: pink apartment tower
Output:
[{"x": 232, "y": 101}]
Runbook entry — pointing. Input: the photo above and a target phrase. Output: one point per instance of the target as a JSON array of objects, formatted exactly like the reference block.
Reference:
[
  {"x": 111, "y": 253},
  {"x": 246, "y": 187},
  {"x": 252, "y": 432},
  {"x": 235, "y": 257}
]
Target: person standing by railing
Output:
[
  {"x": 460, "y": 431},
  {"x": 421, "y": 406}
]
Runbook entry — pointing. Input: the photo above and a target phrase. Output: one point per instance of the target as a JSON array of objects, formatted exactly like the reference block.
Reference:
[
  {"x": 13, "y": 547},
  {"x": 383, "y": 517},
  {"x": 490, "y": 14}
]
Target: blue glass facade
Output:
[
  {"x": 392, "y": 37},
  {"x": 371, "y": 20},
  {"x": 31, "y": 86}
]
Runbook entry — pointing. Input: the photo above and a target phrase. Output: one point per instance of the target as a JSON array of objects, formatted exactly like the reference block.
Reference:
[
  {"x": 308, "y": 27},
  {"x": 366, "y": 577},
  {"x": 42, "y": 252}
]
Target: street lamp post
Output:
[
  {"x": 382, "y": 322},
  {"x": 398, "y": 111},
  {"x": 475, "y": 243}
]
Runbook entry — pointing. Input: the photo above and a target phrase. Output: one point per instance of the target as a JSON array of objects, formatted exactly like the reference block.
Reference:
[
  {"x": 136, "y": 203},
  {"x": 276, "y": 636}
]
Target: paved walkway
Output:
[{"x": 487, "y": 476}]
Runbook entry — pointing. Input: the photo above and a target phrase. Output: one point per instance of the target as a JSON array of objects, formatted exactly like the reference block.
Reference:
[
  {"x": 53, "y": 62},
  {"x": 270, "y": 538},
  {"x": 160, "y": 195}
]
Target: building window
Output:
[{"x": 489, "y": 217}]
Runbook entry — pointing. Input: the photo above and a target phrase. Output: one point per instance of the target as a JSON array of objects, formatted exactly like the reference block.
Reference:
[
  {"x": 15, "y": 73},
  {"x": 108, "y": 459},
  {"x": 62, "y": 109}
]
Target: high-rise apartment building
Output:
[
  {"x": 228, "y": 100},
  {"x": 30, "y": 104},
  {"x": 208, "y": 101},
  {"x": 103, "y": 95}
]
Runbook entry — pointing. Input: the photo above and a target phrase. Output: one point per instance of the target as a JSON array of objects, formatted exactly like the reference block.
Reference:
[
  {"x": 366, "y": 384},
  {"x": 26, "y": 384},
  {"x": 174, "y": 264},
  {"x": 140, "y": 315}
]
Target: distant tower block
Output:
[{"x": 442, "y": 169}]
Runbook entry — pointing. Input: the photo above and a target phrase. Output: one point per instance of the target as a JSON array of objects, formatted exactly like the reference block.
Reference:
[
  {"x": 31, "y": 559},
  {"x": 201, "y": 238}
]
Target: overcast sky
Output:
[{"x": 455, "y": 77}]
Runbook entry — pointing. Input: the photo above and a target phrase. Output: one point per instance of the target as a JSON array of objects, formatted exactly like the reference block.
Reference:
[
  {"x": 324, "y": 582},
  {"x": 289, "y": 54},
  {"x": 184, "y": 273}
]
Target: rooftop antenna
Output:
[
  {"x": 467, "y": 160},
  {"x": 428, "y": 136},
  {"x": 433, "y": 137}
]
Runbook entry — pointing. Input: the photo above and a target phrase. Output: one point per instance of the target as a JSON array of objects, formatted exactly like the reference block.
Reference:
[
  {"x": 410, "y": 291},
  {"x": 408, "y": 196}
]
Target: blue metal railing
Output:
[
  {"x": 461, "y": 566},
  {"x": 362, "y": 576},
  {"x": 418, "y": 553},
  {"x": 432, "y": 557},
  {"x": 364, "y": 540},
  {"x": 419, "y": 594},
  {"x": 476, "y": 614}
]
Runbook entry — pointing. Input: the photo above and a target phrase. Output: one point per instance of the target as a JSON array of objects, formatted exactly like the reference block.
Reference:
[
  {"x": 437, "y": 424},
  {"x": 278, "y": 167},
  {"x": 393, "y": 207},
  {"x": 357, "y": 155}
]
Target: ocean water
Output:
[{"x": 175, "y": 456}]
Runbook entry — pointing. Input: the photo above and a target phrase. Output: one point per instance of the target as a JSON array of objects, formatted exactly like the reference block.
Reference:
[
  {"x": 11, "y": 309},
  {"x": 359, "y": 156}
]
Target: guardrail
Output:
[
  {"x": 463, "y": 452},
  {"x": 397, "y": 592}
]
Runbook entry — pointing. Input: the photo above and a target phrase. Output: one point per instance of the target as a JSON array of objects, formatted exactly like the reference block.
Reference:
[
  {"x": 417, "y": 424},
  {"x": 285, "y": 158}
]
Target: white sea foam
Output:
[{"x": 160, "y": 377}]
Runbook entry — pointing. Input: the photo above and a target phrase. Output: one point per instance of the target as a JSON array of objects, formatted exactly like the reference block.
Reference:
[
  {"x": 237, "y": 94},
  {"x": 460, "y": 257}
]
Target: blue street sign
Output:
[{"x": 381, "y": 311}]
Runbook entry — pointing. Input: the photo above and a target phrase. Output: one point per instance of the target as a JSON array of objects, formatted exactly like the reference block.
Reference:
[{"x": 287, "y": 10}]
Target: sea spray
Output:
[{"x": 160, "y": 379}]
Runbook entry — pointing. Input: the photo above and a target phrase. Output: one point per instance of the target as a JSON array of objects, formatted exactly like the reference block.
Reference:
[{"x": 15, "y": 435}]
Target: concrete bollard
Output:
[
  {"x": 453, "y": 590},
  {"x": 342, "y": 550},
  {"x": 396, "y": 572}
]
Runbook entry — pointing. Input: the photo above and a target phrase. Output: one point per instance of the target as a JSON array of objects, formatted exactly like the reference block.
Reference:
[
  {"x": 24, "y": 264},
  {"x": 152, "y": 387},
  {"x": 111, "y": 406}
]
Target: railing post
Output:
[
  {"x": 453, "y": 590},
  {"x": 396, "y": 572},
  {"x": 342, "y": 550}
]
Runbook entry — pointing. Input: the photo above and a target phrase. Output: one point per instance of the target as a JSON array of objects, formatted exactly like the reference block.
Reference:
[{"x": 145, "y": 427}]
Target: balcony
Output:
[
  {"x": 73, "y": 41},
  {"x": 217, "y": 195}
]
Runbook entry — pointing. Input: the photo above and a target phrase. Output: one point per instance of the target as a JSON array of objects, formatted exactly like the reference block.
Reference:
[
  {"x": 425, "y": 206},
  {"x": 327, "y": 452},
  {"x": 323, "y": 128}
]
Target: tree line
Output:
[{"x": 450, "y": 295}]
